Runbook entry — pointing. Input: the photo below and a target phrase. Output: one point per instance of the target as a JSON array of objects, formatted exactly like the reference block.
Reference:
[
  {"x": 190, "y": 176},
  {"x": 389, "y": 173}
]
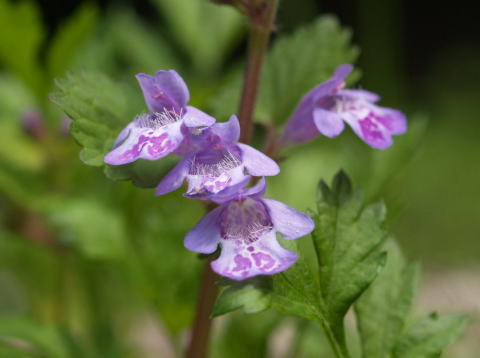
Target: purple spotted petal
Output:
[
  {"x": 328, "y": 123},
  {"x": 288, "y": 221},
  {"x": 240, "y": 260},
  {"x": 144, "y": 140},
  {"x": 194, "y": 117},
  {"x": 375, "y": 125},
  {"x": 165, "y": 90},
  {"x": 205, "y": 236},
  {"x": 229, "y": 131},
  {"x": 174, "y": 179},
  {"x": 257, "y": 163}
]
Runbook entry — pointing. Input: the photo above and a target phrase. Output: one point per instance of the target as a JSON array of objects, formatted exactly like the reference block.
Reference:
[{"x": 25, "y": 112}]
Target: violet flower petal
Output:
[
  {"x": 165, "y": 90},
  {"x": 194, "y": 117},
  {"x": 257, "y": 163},
  {"x": 174, "y": 179},
  {"x": 257, "y": 190},
  {"x": 328, "y": 123},
  {"x": 288, "y": 221},
  {"x": 361, "y": 94},
  {"x": 205, "y": 236},
  {"x": 229, "y": 131}
]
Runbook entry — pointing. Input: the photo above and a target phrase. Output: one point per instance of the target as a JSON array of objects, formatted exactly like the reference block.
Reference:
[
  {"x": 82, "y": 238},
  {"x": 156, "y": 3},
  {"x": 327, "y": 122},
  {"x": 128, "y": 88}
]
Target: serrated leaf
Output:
[
  {"x": 429, "y": 336},
  {"x": 295, "y": 64},
  {"x": 99, "y": 109},
  {"x": 386, "y": 304},
  {"x": 251, "y": 296},
  {"x": 70, "y": 36},
  {"x": 348, "y": 239},
  {"x": 296, "y": 291}
]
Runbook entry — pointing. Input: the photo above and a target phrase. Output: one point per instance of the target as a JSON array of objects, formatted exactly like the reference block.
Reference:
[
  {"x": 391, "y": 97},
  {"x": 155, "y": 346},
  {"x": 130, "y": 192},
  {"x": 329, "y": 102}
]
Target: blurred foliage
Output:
[
  {"x": 295, "y": 64},
  {"x": 81, "y": 258}
]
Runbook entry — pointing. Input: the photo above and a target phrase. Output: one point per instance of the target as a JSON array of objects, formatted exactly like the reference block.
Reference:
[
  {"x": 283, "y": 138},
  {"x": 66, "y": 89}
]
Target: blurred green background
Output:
[{"x": 95, "y": 268}]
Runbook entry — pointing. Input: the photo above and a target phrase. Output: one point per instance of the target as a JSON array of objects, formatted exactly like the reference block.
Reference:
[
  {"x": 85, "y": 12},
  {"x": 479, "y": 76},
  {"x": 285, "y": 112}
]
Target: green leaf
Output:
[
  {"x": 251, "y": 296},
  {"x": 99, "y": 109},
  {"x": 36, "y": 338},
  {"x": 95, "y": 230},
  {"x": 69, "y": 38},
  {"x": 296, "y": 63},
  {"x": 21, "y": 35},
  {"x": 123, "y": 45},
  {"x": 386, "y": 304},
  {"x": 429, "y": 336},
  {"x": 296, "y": 291},
  {"x": 348, "y": 239},
  {"x": 220, "y": 29}
]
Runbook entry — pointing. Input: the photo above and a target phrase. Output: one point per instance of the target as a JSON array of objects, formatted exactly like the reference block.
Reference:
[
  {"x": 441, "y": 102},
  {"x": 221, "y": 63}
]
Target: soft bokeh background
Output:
[{"x": 126, "y": 274}]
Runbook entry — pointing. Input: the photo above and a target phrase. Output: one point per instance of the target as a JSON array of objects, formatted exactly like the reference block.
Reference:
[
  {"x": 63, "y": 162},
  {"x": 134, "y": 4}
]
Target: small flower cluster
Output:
[{"x": 218, "y": 168}]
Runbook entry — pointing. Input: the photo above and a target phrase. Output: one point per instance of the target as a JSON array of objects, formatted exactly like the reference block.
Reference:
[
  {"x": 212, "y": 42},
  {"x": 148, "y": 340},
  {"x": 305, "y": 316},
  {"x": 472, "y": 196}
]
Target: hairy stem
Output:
[
  {"x": 201, "y": 327},
  {"x": 262, "y": 17}
]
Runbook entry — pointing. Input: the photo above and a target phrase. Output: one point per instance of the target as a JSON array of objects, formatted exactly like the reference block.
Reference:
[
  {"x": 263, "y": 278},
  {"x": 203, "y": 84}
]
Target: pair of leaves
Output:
[
  {"x": 295, "y": 64},
  {"x": 349, "y": 245}
]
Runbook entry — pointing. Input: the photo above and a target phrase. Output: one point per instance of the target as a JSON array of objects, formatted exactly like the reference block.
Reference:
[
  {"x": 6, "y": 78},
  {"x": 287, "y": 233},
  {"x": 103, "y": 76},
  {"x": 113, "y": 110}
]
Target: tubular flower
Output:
[
  {"x": 154, "y": 135},
  {"x": 245, "y": 226},
  {"x": 221, "y": 162},
  {"x": 326, "y": 107}
]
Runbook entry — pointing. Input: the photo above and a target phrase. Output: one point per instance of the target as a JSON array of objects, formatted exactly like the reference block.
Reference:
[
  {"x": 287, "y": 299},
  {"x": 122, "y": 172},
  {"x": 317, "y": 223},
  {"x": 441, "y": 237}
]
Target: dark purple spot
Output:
[
  {"x": 260, "y": 258},
  {"x": 242, "y": 263},
  {"x": 371, "y": 130}
]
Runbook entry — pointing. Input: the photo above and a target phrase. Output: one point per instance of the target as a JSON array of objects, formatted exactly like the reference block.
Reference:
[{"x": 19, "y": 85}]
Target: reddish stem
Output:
[
  {"x": 201, "y": 327},
  {"x": 262, "y": 17}
]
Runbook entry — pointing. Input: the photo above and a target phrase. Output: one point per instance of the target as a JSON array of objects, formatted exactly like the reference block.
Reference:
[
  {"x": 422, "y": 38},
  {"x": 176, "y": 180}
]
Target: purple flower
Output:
[
  {"x": 152, "y": 136},
  {"x": 326, "y": 107},
  {"x": 221, "y": 163},
  {"x": 245, "y": 225}
]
